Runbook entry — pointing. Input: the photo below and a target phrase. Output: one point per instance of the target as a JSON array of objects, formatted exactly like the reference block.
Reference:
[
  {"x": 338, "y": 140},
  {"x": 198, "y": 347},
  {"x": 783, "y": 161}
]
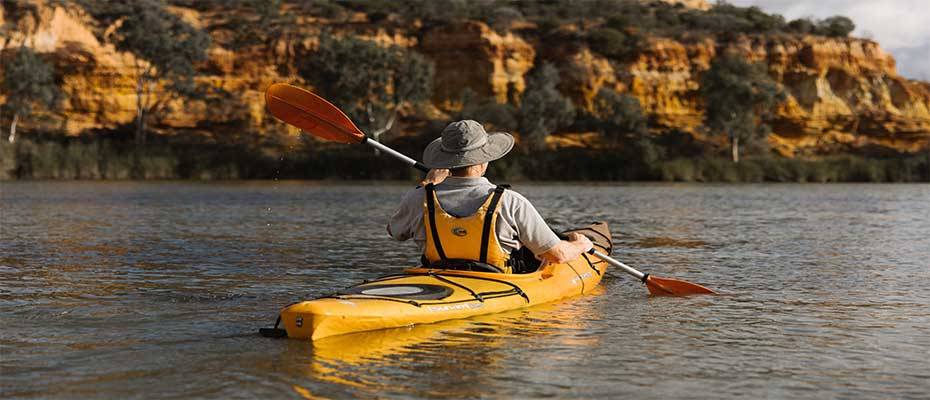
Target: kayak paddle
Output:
[
  {"x": 657, "y": 286},
  {"x": 315, "y": 115}
]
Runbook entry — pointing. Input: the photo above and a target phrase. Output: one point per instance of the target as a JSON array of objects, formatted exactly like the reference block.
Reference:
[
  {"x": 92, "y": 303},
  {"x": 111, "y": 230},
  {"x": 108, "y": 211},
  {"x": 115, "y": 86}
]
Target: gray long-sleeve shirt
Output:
[{"x": 518, "y": 223}]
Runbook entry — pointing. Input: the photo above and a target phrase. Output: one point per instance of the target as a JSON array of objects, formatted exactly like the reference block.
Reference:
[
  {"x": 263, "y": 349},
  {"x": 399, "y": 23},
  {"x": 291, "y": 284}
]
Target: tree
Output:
[
  {"x": 166, "y": 49},
  {"x": 738, "y": 97},
  {"x": 619, "y": 117},
  {"x": 28, "y": 81},
  {"x": 488, "y": 111},
  {"x": 543, "y": 109},
  {"x": 620, "y": 120},
  {"x": 616, "y": 44},
  {"x": 370, "y": 82},
  {"x": 836, "y": 26},
  {"x": 802, "y": 26}
]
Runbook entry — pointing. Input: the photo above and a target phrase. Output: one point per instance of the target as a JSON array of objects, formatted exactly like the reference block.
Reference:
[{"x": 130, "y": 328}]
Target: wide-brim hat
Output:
[{"x": 465, "y": 143}]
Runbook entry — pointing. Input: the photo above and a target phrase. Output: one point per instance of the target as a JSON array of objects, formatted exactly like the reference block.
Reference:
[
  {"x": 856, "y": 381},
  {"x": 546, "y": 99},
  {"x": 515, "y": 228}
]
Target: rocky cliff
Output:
[{"x": 843, "y": 94}]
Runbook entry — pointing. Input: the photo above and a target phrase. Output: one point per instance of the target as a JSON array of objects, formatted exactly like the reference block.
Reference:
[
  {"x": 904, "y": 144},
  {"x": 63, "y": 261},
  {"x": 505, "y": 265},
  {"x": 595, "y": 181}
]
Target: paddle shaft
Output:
[
  {"x": 396, "y": 154},
  {"x": 626, "y": 268}
]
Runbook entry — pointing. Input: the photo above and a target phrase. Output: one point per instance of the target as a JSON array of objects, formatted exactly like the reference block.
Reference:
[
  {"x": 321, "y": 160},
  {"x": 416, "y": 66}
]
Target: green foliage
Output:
[
  {"x": 738, "y": 97},
  {"x": 746, "y": 19},
  {"x": 436, "y": 11},
  {"x": 663, "y": 19},
  {"x": 620, "y": 120},
  {"x": 640, "y": 17},
  {"x": 543, "y": 109},
  {"x": 802, "y": 26},
  {"x": 619, "y": 117},
  {"x": 494, "y": 115},
  {"x": 368, "y": 81},
  {"x": 28, "y": 81},
  {"x": 837, "y": 26},
  {"x": 836, "y": 169},
  {"x": 615, "y": 44},
  {"x": 36, "y": 158},
  {"x": 260, "y": 22}
]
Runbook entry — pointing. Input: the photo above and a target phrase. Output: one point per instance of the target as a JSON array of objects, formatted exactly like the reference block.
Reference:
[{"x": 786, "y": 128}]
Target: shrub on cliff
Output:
[
  {"x": 260, "y": 23},
  {"x": 499, "y": 116},
  {"x": 615, "y": 44},
  {"x": 368, "y": 81},
  {"x": 803, "y": 26},
  {"x": 837, "y": 26},
  {"x": 728, "y": 18},
  {"x": 28, "y": 82},
  {"x": 738, "y": 97},
  {"x": 543, "y": 109}
]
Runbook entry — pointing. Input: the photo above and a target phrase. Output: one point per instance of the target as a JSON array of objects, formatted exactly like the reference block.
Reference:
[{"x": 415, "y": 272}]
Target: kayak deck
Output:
[{"x": 427, "y": 295}]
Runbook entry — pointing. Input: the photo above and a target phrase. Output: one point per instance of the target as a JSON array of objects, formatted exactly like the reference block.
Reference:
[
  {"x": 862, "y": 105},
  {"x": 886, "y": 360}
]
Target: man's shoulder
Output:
[
  {"x": 416, "y": 193},
  {"x": 515, "y": 197}
]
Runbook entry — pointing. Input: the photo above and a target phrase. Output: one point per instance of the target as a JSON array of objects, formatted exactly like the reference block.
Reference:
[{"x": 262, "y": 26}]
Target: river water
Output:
[{"x": 156, "y": 290}]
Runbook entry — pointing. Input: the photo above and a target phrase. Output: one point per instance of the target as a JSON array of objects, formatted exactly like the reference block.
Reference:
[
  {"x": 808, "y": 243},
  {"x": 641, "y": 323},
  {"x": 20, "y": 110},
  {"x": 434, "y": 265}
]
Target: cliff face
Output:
[
  {"x": 97, "y": 80},
  {"x": 471, "y": 55},
  {"x": 843, "y": 94}
]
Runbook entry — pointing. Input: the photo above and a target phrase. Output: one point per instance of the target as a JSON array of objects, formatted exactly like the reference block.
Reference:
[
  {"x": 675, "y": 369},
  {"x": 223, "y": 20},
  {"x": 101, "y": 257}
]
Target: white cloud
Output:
[{"x": 902, "y": 27}]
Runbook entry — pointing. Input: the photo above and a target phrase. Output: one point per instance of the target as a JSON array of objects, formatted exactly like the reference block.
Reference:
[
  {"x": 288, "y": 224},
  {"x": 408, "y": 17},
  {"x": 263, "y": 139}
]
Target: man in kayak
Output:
[{"x": 461, "y": 220}]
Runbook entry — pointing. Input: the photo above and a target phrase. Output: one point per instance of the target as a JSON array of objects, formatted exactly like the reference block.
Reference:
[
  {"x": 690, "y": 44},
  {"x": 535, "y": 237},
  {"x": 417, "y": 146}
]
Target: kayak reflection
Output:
[{"x": 466, "y": 351}]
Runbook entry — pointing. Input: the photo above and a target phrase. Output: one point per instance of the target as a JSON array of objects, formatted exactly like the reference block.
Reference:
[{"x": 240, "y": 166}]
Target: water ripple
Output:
[{"x": 141, "y": 290}]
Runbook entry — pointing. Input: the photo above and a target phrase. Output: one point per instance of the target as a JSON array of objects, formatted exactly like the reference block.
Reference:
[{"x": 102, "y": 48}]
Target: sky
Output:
[{"x": 901, "y": 27}]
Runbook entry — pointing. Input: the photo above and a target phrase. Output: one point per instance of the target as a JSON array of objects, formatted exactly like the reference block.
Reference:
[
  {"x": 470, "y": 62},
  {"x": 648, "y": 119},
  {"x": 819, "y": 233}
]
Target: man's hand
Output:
[
  {"x": 568, "y": 250},
  {"x": 435, "y": 176},
  {"x": 581, "y": 241}
]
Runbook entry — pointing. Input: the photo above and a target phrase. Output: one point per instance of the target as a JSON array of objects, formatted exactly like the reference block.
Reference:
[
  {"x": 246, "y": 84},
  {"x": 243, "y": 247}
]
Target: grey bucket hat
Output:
[{"x": 465, "y": 143}]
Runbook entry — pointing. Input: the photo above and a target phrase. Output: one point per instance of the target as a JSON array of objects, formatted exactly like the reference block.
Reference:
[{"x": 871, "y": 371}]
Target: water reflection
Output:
[
  {"x": 464, "y": 357},
  {"x": 650, "y": 242}
]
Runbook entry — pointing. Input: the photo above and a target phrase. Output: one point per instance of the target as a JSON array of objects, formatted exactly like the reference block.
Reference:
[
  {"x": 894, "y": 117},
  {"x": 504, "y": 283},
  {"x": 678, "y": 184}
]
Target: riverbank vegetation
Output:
[{"x": 116, "y": 159}]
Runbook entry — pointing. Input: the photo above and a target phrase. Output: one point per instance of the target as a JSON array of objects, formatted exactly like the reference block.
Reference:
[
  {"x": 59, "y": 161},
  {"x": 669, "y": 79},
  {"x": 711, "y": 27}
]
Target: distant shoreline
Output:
[{"x": 122, "y": 161}]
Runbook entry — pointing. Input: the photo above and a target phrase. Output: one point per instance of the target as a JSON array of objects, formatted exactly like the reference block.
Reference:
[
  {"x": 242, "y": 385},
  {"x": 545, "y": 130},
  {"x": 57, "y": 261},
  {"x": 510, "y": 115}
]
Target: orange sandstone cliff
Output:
[{"x": 844, "y": 94}]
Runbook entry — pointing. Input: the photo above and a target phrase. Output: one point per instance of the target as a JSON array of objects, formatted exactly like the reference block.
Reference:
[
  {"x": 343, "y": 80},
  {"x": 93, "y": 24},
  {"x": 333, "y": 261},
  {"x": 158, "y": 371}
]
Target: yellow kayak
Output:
[{"x": 427, "y": 295}]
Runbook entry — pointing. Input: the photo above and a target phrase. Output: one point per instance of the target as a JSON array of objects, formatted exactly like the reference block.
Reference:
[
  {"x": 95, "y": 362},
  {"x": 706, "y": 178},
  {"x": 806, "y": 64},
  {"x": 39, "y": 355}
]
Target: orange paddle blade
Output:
[
  {"x": 674, "y": 287},
  {"x": 311, "y": 113}
]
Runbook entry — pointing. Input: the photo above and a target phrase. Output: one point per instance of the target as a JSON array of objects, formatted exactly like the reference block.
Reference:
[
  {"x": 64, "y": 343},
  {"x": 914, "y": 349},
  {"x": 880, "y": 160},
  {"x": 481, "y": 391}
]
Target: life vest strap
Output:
[
  {"x": 488, "y": 218},
  {"x": 431, "y": 211}
]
